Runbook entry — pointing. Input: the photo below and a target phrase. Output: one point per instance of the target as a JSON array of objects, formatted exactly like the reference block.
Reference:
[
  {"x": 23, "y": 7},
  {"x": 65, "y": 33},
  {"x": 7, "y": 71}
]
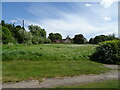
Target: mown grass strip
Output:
[
  {"x": 19, "y": 70},
  {"x": 101, "y": 84}
]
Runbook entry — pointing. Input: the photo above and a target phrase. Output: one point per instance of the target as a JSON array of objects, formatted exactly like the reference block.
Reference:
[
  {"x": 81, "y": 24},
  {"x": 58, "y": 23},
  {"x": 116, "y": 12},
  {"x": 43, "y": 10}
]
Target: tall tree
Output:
[
  {"x": 37, "y": 31},
  {"x": 7, "y": 36},
  {"x": 79, "y": 39},
  {"x": 55, "y": 36}
]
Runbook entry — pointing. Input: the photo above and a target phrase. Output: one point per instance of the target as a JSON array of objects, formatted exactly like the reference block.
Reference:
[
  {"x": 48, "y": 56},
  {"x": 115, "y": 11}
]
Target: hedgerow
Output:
[{"x": 107, "y": 52}]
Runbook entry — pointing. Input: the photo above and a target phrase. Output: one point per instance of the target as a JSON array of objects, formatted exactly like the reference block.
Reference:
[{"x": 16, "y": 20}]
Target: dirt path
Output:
[{"x": 54, "y": 82}]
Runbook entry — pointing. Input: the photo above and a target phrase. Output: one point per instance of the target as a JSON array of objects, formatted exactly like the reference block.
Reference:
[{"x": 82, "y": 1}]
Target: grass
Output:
[
  {"x": 102, "y": 84},
  {"x": 14, "y": 71},
  {"x": 47, "y": 52},
  {"x": 26, "y": 62}
]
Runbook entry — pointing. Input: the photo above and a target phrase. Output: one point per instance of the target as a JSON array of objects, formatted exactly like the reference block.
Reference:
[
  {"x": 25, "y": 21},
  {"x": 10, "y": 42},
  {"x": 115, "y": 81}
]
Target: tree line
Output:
[{"x": 36, "y": 35}]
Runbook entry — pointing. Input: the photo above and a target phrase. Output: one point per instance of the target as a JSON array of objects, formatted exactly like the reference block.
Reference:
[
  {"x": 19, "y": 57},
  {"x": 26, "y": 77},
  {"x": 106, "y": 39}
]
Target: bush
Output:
[
  {"x": 47, "y": 40},
  {"x": 107, "y": 52}
]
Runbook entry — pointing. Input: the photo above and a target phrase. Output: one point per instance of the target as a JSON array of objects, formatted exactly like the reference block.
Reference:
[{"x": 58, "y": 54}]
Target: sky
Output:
[{"x": 67, "y": 18}]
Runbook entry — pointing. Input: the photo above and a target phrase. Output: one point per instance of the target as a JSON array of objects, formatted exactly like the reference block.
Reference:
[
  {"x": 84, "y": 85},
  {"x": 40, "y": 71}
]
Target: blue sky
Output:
[{"x": 87, "y": 18}]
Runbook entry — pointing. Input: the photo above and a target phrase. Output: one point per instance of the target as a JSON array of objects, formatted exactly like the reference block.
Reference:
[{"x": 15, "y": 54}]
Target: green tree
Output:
[
  {"x": 37, "y": 31},
  {"x": 51, "y": 37},
  {"x": 79, "y": 39},
  {"x": 55, "y": 36},
  {"x": 91, "y": 41},
  {"x": 7, "y": 36},
  {"x": 101, "y": 38},
  {"x": 3, "y": 23}
]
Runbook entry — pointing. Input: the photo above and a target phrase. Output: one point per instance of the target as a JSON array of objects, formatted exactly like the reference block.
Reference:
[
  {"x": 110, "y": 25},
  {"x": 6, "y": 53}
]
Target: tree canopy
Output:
[
  {"x": 55, "y": 36},
  {"x": 79, "y": 39}
]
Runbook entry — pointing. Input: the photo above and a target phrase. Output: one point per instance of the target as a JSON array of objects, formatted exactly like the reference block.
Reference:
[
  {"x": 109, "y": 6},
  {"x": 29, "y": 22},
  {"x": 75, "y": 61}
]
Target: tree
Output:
[
  {"x": 3, "y": 23},
  {"x": 101, "y": 38},
  {"x": 7, "y": 36},
  {"x": 37, "y": 31},
  {"x": 55, "y": 36},
  {"x": 79, "y": 39},
  {"x": 18, "y": 26},
  {"x": 58, "y": 36},
  {"x": 51, "y": 37},
  {"x": 91, "y": 41}
]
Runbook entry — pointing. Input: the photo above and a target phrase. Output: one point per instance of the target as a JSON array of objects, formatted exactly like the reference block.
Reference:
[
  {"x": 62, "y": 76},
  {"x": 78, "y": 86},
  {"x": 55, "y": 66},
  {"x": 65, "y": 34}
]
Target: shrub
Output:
[
  {"x": 107, "y": 52},
  {"x": 47, "y": 40}
]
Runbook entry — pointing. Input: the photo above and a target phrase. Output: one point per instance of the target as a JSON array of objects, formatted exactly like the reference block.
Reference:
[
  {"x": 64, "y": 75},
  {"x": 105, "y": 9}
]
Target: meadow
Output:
[
  {"x": 52, "y": 52},
  {"x": 35, "y": 62}
]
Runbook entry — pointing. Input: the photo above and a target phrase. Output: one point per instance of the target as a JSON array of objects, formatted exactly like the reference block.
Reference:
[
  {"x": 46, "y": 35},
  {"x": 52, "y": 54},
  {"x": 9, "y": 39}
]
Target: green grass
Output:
[
  {"x": 47, "y": 52},
  {"x": 26, "y": 70},
  {"x": 102, "y": 84},
  {"x": 26, "y": 62}
]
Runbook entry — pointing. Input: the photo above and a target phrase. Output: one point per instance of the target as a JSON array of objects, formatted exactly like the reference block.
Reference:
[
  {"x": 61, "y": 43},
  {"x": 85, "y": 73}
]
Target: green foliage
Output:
[
  {"x": 79, "y": 39},
  {"x": 37, "y": 31},
  {"x": 91, "y": 41},
  {"x": 3, "y": 23},
  {"x": 102, "y": 38},
  {"x": 47, "y": 40},
  {"x": 107, "y": 52},
  {"x": 6, "y": 36},
  {"x": 55, "y": 36}
]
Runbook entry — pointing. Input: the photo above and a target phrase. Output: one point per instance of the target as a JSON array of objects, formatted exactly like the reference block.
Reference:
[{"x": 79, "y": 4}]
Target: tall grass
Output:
[{"x": 47, "y": 52}]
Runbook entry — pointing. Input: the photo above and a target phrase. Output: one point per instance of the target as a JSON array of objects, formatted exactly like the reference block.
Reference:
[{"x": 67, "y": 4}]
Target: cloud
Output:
[
  {"x": 107, "y": 3},
  {"x": 107, "y": 18},
  {"x": 13, "y": 21},
  {"x": 88, "y": 5},
  {"x": 85, "y": 21},
  {"x": 75, "y": 24}
]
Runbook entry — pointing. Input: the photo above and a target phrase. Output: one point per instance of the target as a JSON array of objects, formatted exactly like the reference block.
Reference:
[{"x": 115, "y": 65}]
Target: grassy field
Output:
[
  {"x": 47, "y": 52},
  {"x": 36, "y": 70},
  {"x": 27, "y": 62},
  {"x": 102, "y": 84}
]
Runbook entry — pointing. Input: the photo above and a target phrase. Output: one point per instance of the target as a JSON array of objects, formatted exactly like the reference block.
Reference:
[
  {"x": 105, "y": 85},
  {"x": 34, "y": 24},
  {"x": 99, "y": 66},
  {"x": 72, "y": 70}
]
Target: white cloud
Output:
[
  {"x": 88, "y": 5},
  {"x": 107, "y": 3},
  {"x": 13, "y": 21},
  {"x": 76, "y": 23},
  {"x": 107, "y": 18}
]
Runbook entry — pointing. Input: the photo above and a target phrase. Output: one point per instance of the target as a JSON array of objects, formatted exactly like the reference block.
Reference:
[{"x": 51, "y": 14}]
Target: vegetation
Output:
[
  {"x": 107, "y": 52},
  {"x": 18, "y": 70},
  {"x": 102, "y": 38},
  {"x": 47, "y": 52},
  {"x": 79, "y": 39},
  {"x": 18, "y": 35},
  {"x": 24, "y": 61},
  {"x": 55, "y": 36},
  {"x": 37, "y": 35},
  {"x": 103, "y": 84},
  {"x": 6, "y": 36}
]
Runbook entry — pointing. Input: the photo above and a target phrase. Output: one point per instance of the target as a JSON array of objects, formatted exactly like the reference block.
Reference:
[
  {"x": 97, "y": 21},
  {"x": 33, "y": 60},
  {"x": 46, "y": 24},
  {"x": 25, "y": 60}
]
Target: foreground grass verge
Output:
[
  {"x": 102, "y": 84},
  {"x": 18, "y": 70}
]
